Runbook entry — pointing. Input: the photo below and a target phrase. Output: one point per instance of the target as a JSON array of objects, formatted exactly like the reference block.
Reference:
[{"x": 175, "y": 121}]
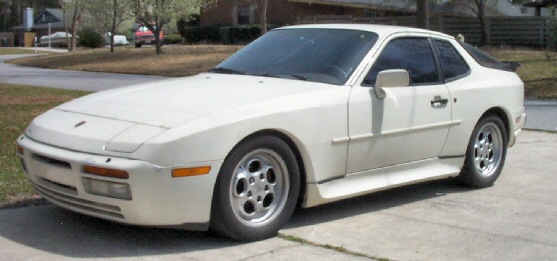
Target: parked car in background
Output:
[
  {"x": 143, "y": 35},
  {"x": 305, "y": 115},
  {"x": 55, "y": 39},
  {"x": 118, "y": 39}
]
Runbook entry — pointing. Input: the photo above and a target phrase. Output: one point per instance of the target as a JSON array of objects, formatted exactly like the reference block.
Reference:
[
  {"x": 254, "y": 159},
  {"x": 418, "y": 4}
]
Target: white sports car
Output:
[{"x": 304, "y": 115}]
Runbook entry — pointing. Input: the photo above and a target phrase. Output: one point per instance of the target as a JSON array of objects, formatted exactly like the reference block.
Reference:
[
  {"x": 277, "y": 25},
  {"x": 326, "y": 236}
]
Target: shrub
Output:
[
  {"x": 207, "y": 33},
  {"x": 173, "y": 39},
  {"x": 89, "y": 39},
  {"x": 239, "y": 34},
  {"x": 221, "y": 34}
]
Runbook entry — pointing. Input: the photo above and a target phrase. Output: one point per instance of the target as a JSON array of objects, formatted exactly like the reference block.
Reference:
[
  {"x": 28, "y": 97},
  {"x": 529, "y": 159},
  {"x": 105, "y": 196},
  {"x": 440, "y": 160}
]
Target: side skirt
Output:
[{"x": 365, "y": 182}]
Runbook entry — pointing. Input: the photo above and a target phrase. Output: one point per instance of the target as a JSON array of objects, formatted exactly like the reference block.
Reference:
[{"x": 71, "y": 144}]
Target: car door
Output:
[{"x": 411, "y": 123}]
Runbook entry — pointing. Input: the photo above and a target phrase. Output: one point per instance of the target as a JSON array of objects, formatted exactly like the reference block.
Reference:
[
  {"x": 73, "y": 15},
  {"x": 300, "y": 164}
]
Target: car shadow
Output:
[
  {"x": 374, "y": 202},
  {"x": 61, "y": 232}
]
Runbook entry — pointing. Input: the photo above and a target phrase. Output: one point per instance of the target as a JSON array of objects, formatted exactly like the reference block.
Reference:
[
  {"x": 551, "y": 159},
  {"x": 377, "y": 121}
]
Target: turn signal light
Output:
[
  {"x": 188, "y": 172},
  {"x": 20, "y": 150},
  {"x": 112, "y": 173}
]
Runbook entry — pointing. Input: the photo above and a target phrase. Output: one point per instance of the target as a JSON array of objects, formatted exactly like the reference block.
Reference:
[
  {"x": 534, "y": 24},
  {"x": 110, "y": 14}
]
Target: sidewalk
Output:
[{"x": 45, "y": 49}]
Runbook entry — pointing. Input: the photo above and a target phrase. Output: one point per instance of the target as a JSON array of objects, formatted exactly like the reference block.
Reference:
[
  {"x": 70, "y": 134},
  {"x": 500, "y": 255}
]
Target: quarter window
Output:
[
  {"x": 411, "y": 54},
  {"x": 451, "y": 61}
]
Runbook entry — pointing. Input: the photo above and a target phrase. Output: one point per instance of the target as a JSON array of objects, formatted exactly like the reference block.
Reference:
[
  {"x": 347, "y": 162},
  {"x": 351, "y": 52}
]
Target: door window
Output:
[
  {"x": 411, "y": 54},
  {"x": 453, "y": 65}
]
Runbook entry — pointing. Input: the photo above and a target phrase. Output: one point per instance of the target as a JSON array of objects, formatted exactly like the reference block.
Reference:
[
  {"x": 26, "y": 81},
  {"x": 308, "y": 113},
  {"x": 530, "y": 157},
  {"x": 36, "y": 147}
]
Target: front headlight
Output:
[{"x": 129, "y": 140}]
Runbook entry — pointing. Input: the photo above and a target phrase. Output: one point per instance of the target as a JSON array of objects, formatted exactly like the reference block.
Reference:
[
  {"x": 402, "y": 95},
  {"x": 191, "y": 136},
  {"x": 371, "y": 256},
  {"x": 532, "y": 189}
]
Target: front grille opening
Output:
[
  {"x": 60, "y": 185},
  {"x": 53, "y": 162}
]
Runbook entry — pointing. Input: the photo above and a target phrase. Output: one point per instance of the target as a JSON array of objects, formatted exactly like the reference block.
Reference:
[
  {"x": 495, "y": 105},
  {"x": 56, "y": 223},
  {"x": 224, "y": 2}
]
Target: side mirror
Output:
[{"x": 390, "y": 78}]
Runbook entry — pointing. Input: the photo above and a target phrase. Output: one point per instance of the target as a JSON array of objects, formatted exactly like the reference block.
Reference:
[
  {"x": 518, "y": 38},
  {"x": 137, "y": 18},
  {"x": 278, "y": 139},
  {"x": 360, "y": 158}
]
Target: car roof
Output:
[{"x": 382, "y": 30}]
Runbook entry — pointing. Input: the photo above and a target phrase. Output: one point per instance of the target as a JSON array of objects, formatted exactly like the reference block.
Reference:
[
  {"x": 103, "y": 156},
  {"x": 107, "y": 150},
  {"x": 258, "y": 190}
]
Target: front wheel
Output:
[
  {"x": 257, "y": 189},
  {"x": 486, "y": 152}
]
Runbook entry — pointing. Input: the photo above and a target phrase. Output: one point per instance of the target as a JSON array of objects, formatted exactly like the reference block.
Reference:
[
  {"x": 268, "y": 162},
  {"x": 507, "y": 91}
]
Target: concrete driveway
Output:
[
  {"x": 513, "y": 220},
  {"x": 73, "y": 80}
]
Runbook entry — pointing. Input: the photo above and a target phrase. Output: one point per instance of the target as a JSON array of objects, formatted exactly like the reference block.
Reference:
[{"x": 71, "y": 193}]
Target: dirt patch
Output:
[{"x": 31, "y": 201}]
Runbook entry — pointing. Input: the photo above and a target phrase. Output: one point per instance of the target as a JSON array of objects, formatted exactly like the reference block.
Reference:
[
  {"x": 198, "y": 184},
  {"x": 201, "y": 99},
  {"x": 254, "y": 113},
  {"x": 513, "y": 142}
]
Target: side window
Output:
[
  {"x": 451, "y": 61},
  {"x": 412, "y": 54}
]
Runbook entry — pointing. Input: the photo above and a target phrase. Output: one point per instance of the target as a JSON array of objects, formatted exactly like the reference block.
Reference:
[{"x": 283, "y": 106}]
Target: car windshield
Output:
[{"x": 317, "y": 55}]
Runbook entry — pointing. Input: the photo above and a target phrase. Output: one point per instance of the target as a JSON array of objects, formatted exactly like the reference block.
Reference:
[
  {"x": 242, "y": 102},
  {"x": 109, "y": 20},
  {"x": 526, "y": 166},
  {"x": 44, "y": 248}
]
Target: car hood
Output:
[{"x": 173, "y": 102}]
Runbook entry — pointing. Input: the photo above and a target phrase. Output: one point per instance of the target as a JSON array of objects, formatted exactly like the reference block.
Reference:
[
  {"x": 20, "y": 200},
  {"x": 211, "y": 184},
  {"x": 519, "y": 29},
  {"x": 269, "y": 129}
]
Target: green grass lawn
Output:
[{"x": 18, "y": 106}]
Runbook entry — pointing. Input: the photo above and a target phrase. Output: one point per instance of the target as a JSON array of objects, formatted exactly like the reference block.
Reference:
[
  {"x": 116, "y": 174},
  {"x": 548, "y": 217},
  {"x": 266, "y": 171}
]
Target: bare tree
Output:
[
  {"x": 477, "y": 7},
  {"x": 76, "y": 7},
  {"x": 109, "y": 14},
  {"x": 154, "y": 14}
]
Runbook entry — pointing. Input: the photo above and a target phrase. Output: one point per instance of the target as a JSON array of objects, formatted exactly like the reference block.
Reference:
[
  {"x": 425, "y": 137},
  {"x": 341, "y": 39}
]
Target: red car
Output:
[{"x": 144, "y": 36}]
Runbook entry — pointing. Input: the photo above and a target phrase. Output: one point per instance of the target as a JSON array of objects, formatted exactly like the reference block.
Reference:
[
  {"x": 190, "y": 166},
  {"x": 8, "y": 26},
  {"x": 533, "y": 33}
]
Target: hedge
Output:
[{"x": 221, "y": 34}]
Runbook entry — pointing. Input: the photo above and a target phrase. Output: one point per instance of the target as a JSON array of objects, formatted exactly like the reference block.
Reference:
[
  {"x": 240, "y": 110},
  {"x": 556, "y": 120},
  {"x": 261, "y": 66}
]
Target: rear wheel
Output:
[
  {"x": 486, "y": 153},
  {"x": 257, "y": 190}
]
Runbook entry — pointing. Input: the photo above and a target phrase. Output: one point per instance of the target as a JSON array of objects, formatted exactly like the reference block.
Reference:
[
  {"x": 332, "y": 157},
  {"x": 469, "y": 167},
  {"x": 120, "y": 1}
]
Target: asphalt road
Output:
[
  {"x": 513, "y": 220},
  {"x": 73, "y": 80},
  {"x": 542, "y": 114}
]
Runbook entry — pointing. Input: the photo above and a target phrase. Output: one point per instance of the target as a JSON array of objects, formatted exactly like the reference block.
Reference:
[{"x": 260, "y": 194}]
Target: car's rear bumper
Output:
[
  {"x": 156, "y": 198},
  {"x": 519, "y": 124}
]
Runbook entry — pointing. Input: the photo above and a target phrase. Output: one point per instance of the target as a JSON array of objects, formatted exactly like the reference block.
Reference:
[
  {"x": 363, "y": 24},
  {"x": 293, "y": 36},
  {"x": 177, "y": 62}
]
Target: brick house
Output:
[{"x": 282, "y": 12}]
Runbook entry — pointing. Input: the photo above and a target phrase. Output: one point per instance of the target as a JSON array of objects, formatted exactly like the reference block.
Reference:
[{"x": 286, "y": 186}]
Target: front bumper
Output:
[{"x": 157, "y": 198}]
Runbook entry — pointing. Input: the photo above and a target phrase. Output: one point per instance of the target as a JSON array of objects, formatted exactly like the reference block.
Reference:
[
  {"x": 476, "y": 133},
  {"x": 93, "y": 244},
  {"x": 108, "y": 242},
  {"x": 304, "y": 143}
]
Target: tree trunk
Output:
[
  {"x": 158, "y": 43},
  {"x": 234, "y": 13},
  {"x": 14, "y": 13},
  {"x": 422, "y": 14},
  {"x": 481, "y": 16},
  {"x": 113, "y": 28},
  {"x": 263, "y": 21},
  {"x": 75, "y": 25},
  {"x": 5, "y": 13}
]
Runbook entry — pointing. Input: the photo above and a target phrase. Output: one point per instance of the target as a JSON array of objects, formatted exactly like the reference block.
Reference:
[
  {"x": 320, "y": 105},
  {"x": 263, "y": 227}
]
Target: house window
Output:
[
  {"x": 46, "y": 18},
  {"x": 245, "y": 14}
]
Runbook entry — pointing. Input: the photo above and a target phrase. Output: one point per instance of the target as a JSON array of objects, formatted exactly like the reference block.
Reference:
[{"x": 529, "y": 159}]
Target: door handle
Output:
[{"x": 438, "y": 101}]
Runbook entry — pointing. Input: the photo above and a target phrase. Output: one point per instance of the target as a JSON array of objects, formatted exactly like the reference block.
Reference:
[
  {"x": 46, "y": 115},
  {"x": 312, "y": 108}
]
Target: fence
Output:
[{"x": 515, "y": 31}]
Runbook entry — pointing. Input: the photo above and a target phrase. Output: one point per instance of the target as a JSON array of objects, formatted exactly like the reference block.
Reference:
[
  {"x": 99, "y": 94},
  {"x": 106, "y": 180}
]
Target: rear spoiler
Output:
[{"x": 510, "y": 66}]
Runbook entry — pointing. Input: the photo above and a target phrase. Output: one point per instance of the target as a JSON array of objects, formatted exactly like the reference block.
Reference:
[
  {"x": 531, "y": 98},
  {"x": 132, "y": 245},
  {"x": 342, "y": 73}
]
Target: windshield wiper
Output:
[
  {"x": 270, "y": 75},
  {"x": 226, "y": 71},
  {"x": 299, "y": 77}
]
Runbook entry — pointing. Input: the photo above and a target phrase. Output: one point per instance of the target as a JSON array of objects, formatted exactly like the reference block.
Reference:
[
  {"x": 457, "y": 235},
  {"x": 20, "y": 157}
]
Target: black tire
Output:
[
  {"x": 257, "y": 190},
  {"x": 137, "y": 45},
  {"x": 486, "y": 153}
]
